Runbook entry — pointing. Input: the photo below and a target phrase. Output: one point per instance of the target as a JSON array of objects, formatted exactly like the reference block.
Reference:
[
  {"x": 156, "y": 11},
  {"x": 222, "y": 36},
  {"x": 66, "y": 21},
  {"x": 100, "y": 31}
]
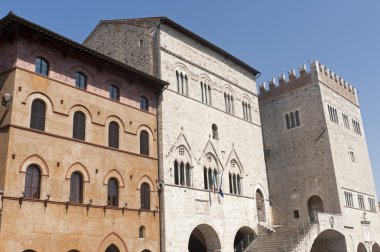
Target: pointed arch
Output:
[
  {"x": 112, "y": 238},
  {"x": 35, "y": 159},
  {"x": 80, "y": 168},
  {"x": 114, "y": 173},
  {"x": 211, "y": 151},
  {"x": 146, "y": 179}
]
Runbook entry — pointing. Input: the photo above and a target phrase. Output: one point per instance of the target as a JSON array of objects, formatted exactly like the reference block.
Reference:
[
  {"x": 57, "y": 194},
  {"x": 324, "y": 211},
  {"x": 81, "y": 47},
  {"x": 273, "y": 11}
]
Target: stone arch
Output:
[
  {"x": 148, "y": 129},
  {"x": 81, "y": 108},
  {"x": 246, "y": 98},
  {"x": 375, "y": 247},
  {"x": 38, "y": 95},
  {"x": 204, "y": 238},
  {"x": 329, "y": 240},
  {"x": 361, "y": 247},
  {"x": 35, "y": 159},
  {"x": 80, "y": 68},
  {"x": 116, "y": 174},
  {"x": 115, "y": 118},
  {"x": 46, "y": 54},
  {"x": 186, "y": 156},
  {"x": 228, "y": 89},
  {"x": 315, "y": 206},
  {"x": 214, "y": 158},
  {"x": 180, "y": 67},
  {"x": 80, "y": 168},
  {"x": 115, "y": 239},
  {"x": 237, "y": 169},
  {"x": 206, "y": 79},
  {"x": 146, "y": 179},
  {"x": 260, "y": 206},
  {"x": 244, "y": 236}
]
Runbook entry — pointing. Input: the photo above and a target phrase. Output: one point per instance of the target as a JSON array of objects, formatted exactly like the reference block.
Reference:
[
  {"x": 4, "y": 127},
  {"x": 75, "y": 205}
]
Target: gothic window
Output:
[
  {"x": 37, "y": 116},
  {"x": 210, "y": 185},
  {"x": 372, "y": 204},
  {"x": 214, "y": 129},
  {"x": 42, "y": 67},
  {"x": 80, "y": 80},
  {"x": 32, "y": 182},
  {"x": 229, "y": 103},
  {"x": 79, "y": 125},
  {"x": 176, "y": 173},
  {"x": 114, "y": 92},
  {"x": 182, "y": 173},
  {"x": 361, "y": 201},
  {"x": 144, "y": 143},
  {"x": 287, "y": 121},
  {"x": 230, "y": 181},
  {"x": 292, "y": 119},
  {"x": 333, "y": 113},
  {"x": 234, "y": 183},
  {"x": 297, "y": 118},
  {"x": 349, "y": 199},
  {"x": 142, "y": 232},
  {"x": 145, "y": 196},
  {"x": 205, "y": 178},
  {"x": 345, "y": 120},
  {"x": 206, "y": 93},
  {"x": 247, "y": 111},
  {"x": 187, "y": 174},
  {"x": 238, "y": 184},
  {"x": 260, "y": 205},
  {"x": 144, "y": 103},
  {"x": 113, "y": 192},
  {"x": 181, "y": 83},
  {"x": 76, "y": 187},
  {"x": 351, "y": 155},
  {"x": 356, "y": 127},
  {"x": 113, "y": 135}
]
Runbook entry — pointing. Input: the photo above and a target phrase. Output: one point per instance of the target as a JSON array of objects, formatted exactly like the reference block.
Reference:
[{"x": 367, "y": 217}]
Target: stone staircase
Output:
[{"x": 290, "y": 238}]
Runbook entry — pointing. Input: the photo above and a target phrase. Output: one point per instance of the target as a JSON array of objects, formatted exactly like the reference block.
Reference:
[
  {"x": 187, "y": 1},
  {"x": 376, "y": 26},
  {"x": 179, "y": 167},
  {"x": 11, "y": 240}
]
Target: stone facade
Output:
[
  {"x": 50, "y": 221},
  {"x": 320, "y": 166},
  {"x": 191, "y": 213}
]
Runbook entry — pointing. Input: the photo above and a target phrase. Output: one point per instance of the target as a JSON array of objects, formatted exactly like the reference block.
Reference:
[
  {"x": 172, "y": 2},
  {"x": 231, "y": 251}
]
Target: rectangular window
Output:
[
  {"x": 361, "y": 201},
  {"x": 352, "y": 156},
  {"x": 356, "y": 127},
  {"x": 296, "y": 214},
  {"x": 333, "y": 113},
  {"x": 345, "y": 121},
  {"x": 349, "y": 199},
  {"x": 292, "y": 119}
]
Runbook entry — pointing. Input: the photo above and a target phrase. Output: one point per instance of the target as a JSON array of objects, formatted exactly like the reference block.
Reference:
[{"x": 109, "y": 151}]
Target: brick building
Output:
[{"x": 78, "y": 154}]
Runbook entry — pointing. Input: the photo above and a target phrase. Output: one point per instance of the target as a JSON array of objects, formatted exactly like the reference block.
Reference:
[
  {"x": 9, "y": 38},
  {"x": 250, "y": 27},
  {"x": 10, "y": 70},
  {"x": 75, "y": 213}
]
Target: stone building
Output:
[
  {"x": 209, "y": 133},
  {"x": 320, "y": 180},
  {"x": 78, "y": 153}
]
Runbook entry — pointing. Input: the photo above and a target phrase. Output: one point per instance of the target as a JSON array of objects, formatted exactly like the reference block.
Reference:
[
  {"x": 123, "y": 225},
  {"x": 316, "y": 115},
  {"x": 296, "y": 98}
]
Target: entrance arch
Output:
[
  {"x": 244, "y": 236},
  {"x": 203, "y": 238},
  {"x": 260, "y": 205},
  {"x": 112, "y": 248},
  {"x": 375, "y": 247},
  {"x": 315, "y": 206},
  {"x": 113, "y": 242},
  {"x": 361, "y": 248},
  {"x": 329, "y": 240}
]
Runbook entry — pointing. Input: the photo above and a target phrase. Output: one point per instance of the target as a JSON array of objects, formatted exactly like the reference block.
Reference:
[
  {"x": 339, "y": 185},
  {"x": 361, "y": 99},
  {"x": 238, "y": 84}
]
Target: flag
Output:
[{"x": 220, "y": 187}]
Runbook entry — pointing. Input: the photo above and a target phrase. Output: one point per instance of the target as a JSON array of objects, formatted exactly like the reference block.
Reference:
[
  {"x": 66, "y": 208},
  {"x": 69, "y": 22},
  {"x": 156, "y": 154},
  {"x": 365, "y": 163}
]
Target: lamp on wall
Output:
[{"x": 7, "y": 98}]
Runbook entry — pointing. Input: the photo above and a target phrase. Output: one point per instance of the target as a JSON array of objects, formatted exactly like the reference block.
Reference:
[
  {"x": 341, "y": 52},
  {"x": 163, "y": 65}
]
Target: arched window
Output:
[
  {"x": 187, "y": 174},
  {"x": 112, "y": 248},
  {"x": 176, "y": 173},
  {"x": 42, "y": 67},
  {"x": 214, "y": 129},
  {"x": 145, "y": 196},
  {"x": 234, "y": 183},
  {"x": 76, "y": 188},
  {"x": 298, "y": 123},
  {"x": 229, "y": 103},
  {"x": 79, "y": 125},
  {"x": 113, "y": 135},
  {"x": 205, "y": 177},
  {"x": 144, "y": 143},
  {"x": 215, "y": 179},
  {"x": 144, "y": 103},
  {"x": 230, "y": 180},
  {"x": 181, "y": 83},
  {"x": 32, "y": 182},
  {"x": 260, "y": 205},
  {"x": 238, "y": 184},
  {"x": 113, "y": 192},
  {"x": 142, "y": 232},
  {"x": 182, "y": 173},
  {"x": 288, "y": 126},
  {"x": 210, "y": 179},
  {"x": 114, "y": 92},
  {"x": 80, "y": 80},
  {"x": 38, "y": 114}
]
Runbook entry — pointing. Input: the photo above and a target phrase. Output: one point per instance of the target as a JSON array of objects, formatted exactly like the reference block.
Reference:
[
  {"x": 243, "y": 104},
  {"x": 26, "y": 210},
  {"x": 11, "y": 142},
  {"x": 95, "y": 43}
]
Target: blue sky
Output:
[{"x": 272, "y": 36}]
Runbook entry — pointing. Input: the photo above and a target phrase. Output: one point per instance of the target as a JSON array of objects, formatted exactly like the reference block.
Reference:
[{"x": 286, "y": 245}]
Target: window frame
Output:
[
  {"x": 114, "y": 92},
  {"x": 113, "y": 192},
  {"x": 38, "y": 115},
  {"x": 33, "y": 175},
  {"x": 76, "y": 194},
  {"x": 80, "y": 80},
  {"x": 41, "y": 66},
  {"x": 79, "y": 125}
]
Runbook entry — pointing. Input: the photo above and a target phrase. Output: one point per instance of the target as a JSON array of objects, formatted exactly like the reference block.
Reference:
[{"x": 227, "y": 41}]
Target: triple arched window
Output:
[
  {"x": 76, "y": 187},
  {"x": 80, "y": 80},
  {"x": 210, "y": 177},
  {"x": 181, "y": 173},
  {"x": 113, "y": 192},
  {"x": 247, "y": 111},
  {"x": 292, "y": 119},
  {"x": 32, "y": 182},
  {"x": 206, "y": 93},
  {"x": 181, "y": 83},
  {"x": 113, "y": 135},
  {"x": 235, "y": 183},
  {"x": 144, "y": 143},
  {"x": 145, "y": 196},
  {"x": 229, "y": 103},
  {"x": 42, "y": 66},
  {"x": 79, "y": 125},
  {"x": 38, "y": 114}
]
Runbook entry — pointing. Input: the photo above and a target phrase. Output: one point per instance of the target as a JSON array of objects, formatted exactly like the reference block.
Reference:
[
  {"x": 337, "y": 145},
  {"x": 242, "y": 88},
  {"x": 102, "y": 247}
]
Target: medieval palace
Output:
[{"x": 148, "y": 138}]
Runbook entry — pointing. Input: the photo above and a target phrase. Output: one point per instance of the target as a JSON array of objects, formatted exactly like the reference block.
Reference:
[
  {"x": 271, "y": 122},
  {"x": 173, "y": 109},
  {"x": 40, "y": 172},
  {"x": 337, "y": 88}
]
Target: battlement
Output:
[{"x": 316, "y": 72}]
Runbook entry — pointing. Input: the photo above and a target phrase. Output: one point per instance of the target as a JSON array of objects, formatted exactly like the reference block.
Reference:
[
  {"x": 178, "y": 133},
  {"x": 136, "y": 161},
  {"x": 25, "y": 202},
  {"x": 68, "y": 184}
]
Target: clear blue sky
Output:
[{"x": 272, "y": 36}]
